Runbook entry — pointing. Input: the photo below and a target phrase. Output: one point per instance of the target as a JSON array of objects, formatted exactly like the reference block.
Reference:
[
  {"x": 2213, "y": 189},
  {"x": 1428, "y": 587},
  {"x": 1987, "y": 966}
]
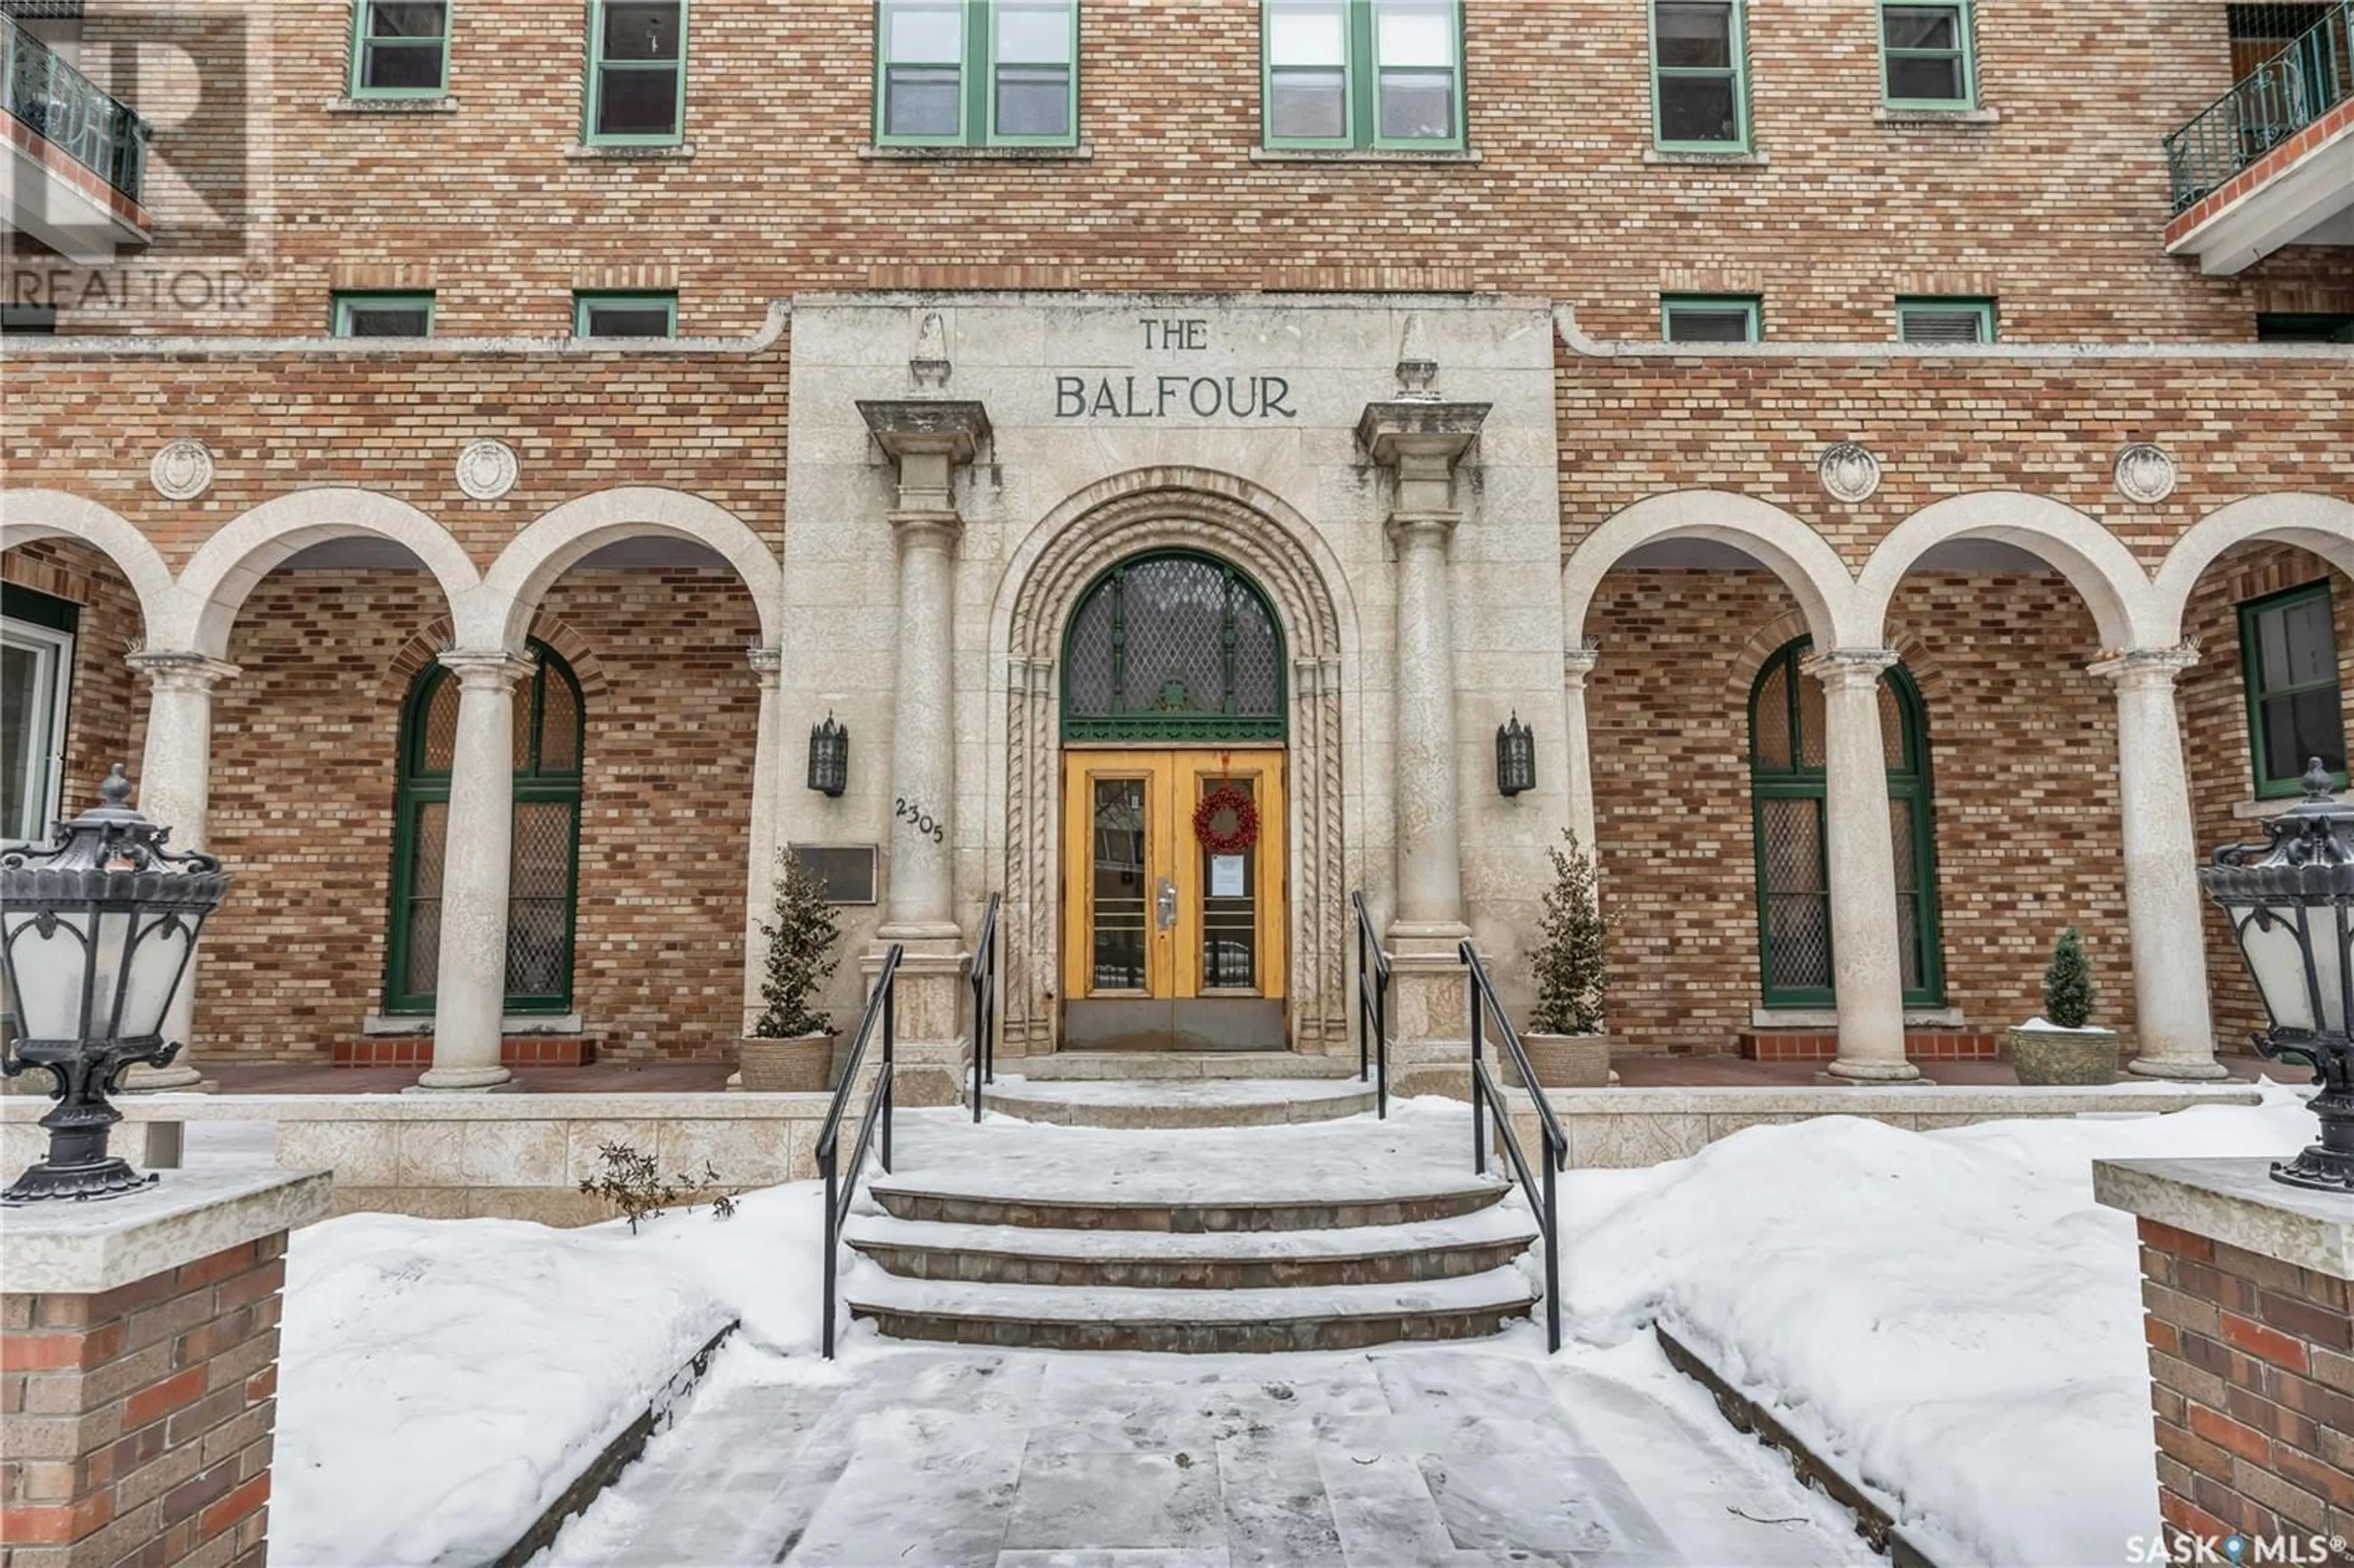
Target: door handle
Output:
[{"x": 1164, "y": 904}]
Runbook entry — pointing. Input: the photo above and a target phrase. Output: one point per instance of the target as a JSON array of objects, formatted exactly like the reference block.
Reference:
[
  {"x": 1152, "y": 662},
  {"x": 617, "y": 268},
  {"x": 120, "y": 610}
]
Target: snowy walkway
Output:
[{"x": 1446, "y": 1456}]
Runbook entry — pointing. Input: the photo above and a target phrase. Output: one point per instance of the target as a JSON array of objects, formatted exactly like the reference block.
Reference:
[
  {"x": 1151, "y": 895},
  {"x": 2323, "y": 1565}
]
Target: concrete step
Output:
[
  {"x": 1449, "y": 1248},
  {"x": 1408, "y": 1200},
  {"x": 1317, "y": 1318},
  {"x": 1179, "y": 1065},
  {"x": 1178, "y": 1102}
]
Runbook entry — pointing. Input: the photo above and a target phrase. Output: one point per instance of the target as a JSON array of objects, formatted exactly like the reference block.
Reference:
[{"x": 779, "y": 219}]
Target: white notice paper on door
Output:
[{"x": 1225, "y": 876}]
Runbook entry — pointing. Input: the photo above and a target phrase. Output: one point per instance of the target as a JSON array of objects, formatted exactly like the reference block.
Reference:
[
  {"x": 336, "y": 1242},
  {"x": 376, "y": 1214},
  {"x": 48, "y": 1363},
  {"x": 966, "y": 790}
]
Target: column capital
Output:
[
  {"x": 172, "y": 671},
  {"x": 1421, "y": 527},
  {"x": 1408, "y": 432},
  {"x": 1849, "y": 669},
  {"x": 918, "y": 528},
  {"x": 929, "y": 439},
  {"x": 768, "y": 663},
  {"x": 2139, "y": 669},
  {"x": 1577, "y": 664},
  {"x": 487, "y": 669}
]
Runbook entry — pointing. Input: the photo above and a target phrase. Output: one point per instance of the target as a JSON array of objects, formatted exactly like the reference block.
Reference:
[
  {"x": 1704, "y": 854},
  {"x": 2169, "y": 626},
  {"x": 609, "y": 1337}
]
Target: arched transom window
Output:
[
  {"x": 549, "y": 725},
  {"x": 1174, "y": 646}
]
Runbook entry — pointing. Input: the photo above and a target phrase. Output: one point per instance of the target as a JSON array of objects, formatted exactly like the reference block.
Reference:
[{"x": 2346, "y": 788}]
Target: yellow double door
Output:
[{"x": 1154, "y": 914}]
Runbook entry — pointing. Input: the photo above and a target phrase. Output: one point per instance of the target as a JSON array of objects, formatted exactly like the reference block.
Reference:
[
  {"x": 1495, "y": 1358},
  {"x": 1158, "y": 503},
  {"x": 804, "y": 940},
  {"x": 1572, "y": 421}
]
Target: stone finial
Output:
[
  {"x": 1417, "y": 372},
  {"x": 929, "y": 363}
]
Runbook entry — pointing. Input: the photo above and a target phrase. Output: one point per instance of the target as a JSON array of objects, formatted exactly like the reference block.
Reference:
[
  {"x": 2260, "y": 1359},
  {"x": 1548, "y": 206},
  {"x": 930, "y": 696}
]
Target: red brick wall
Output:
[
  {"x": 2252, "y": 1373},
  {"x": 106, "y": 717},
  {"x": 2057, "y": 208},
  {"x": 303, "y": 778},
  {"x": 2023, "y": 757},
  {"x": 140, "y": 1420}
]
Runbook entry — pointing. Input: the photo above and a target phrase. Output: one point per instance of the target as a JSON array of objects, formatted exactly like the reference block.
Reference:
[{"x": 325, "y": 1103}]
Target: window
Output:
[
  {"x": 1021, "y": 57},
  {"x": 637, "y": 71},
  {"x": 1927, "y": 320},
  {"x": 1924, "y": 56},
  {"x": 372, "y": 315},
  {"x": 1699, "y": 71},
  {"x": 37, "y": 320},
  {"x": 544, "y": 862},
  {"x": 1709, "y": 318},
  {"x": 1362, "y": 73},
  {"x": 401, "y": 48},
  {"x": 1788, "y": 786},
  {"x": 1174, "y": 646},
  {"x": 36, "y": 660},
  {"x": 2288, "y": 651},
  {"x": 624, "y": 315},
  {"x": 2281, "y": 327}
]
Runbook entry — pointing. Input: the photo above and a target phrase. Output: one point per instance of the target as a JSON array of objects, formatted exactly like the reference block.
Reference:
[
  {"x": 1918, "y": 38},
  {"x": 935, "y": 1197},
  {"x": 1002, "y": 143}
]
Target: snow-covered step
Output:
[
  {"x": 1406, "y": 1198},
  {"x": 1069, "y": 1065},
  {"x": 1449, "y": 1248},
  {"x": 1314, "y": 1318},
  {"x": 1178, "y": 1102}
]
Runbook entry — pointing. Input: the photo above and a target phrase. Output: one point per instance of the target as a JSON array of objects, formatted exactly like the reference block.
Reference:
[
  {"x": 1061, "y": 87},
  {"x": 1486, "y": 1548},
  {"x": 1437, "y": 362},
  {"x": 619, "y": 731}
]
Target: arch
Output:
[
  {"x": 1777, "y": 541},
  {"x": 2096, "y": 564},
  {"x": 1236, "y": 522},
  {"x": 2321, "y": 524},
  {"x": 556, "y": 541},
  {"x": 225, "y": 568},
  {"x": 1101, "y": 662},
  {"x": 26, "y": 515}
]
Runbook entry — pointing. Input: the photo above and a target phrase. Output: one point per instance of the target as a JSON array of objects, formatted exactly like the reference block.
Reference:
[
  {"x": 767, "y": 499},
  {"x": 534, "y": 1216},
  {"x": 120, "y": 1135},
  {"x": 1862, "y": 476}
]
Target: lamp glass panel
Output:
[
  {"x": 2276, "y": 959},
  {"x": 48, "y": 974},
  {"x": 156, "y": 968},
  {"x": 109, "y": 951}
]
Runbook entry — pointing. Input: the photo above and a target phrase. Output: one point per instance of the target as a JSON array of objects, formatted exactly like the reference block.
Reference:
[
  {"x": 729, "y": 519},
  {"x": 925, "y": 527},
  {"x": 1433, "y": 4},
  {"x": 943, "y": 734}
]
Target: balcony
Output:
[
  {"x": 2271, "y": 162},
  {"x": 77, "y": 164}
]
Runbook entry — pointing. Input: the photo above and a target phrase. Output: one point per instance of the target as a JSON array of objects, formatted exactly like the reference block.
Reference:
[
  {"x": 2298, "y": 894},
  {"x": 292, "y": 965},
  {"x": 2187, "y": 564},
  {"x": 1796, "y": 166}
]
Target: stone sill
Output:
[
  {"x": 694, "y": 1104},
  {"x": 656, "y": 153},
  {"x": 2238, "y": 1202},
  {"x": 1797, "y": 1018},
  {"x": 395, "y": 1025},
  {"x": 1079, "y": 153},
  {"x": 1959, "y": 119},
  {"x": 442, "y": 105},
  {"x": 1708, "y": 160},
  {"x": 1366, "y": 155},
  {"x": 85, "y": 1248},
  {"x": 2257, "y": 810}
]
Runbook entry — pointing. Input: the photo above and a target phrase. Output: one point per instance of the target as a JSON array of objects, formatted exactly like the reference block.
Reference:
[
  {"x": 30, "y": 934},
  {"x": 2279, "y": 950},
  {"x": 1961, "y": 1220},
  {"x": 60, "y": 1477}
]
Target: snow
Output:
[
  {"x": 1947, "y": 1316},
  {"x": 1178, "y": 1091},
  {"x": 1499, "y": 1223},
  {"x": 442, "y": 1381},
  {"x": 869, "y": 1285},
  {"x": 2039, "y": 1024}
]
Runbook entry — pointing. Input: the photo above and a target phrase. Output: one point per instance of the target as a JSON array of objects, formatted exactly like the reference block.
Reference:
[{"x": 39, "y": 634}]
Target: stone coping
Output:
[
  {"x": 1943, "y": 1099},
  {"x": 2236, "y": 1202},
  {"x": 84, "y": 1248},
  {"x": 691, "y": 1106}
]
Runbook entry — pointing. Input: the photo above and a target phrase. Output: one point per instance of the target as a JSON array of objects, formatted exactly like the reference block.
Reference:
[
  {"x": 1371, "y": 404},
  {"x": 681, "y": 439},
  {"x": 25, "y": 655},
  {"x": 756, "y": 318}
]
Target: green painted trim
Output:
[
  {"x": 966, "y": 47},
  {"x": 977, "y": 67},
  {"x": 1983, "y": 307},
  {"x": 582, "y": 298},
  {"x": 1966, "y": 29},
  {"x": 1360, "y": 86},
  {"x": 357, "y": 63},
  {"x": 1739, "y": 71},
  {"x": 987, "y": 133},
  {"x": 1205, "y": 728},
  {"x": 2254, "y": 693},
  {"x": 592, "y": 92},
  {"x": 35, "y": 608},
  {"x": 1751, "y": 305},
  {"x": 340, "y": 304}
]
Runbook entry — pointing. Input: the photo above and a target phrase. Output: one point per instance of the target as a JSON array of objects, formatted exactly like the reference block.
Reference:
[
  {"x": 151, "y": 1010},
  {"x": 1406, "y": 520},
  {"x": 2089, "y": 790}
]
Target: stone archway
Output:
[{"x": 1229, "y": 518}]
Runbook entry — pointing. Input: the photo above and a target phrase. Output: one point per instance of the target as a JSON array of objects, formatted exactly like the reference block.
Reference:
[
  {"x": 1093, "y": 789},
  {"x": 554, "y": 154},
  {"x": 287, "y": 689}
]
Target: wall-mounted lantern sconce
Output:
[
  {"x": 829, "y": 767},
  {"x": 1516, "y": 758}
]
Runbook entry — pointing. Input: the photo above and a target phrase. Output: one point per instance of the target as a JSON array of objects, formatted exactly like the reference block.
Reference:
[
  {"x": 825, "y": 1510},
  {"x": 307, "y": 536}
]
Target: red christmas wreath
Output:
[{"x": 1226, "y": 822}]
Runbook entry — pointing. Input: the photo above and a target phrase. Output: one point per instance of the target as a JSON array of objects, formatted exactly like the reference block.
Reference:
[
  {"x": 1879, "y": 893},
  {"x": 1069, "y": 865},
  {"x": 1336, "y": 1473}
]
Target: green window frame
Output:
[
  {"x": 1700, "y": 318},
  {"x": 1383, "y": 75},
  {"x": 976, "y": 73},
  {"x": 1695, "y": 85},
  {"x": 1109, "y": 646},
  {"x": 2309, "y": 702},
  {"x": 626, "y": 68},
  {"x": 588, "y": 303},
  {"x": 1940, "y": 319},
  {"x": 1920, "y": 39},
  {"x": 351, "y": 308},
  {"x": 544, "y": 879},
  {"x": 392, "y": 39},
  {"x": 1789, "y": 805},
  {"x": 2304, "y": 326}
]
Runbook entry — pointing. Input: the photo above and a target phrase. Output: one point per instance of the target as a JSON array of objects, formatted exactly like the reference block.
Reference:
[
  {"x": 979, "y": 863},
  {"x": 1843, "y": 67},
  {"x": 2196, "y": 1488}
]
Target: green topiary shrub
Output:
[
  {"x": 800, "y": 956},
  {"x": 1571, "y": 959},
  {"x": 2068, "y": 989}
]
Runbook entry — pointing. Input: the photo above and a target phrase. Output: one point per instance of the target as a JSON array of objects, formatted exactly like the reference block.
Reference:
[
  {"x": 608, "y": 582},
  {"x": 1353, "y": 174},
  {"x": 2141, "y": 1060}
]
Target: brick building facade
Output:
[{"x": 921, "y": 399}]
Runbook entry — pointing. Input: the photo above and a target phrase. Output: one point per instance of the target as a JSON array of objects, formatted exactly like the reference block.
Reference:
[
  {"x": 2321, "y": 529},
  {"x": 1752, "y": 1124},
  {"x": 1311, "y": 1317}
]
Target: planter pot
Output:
[
  {"x": 1565, "y": 1060},
  {"x": 2064, "y": 1055},
  {"x": 804, "y": 1063}
]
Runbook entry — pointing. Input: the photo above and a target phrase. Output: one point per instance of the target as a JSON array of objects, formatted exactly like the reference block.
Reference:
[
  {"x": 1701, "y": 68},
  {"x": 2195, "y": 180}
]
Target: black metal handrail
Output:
[
  {"x": 1372, "y": 1008},
  {"x": 1488, "y": 1105},
  {"x": 984, "y": 1003},
  {"x": 72, "y": 113},
  {"x": 882, "y": 1008},
  {"x": 2265, "y": 107}
]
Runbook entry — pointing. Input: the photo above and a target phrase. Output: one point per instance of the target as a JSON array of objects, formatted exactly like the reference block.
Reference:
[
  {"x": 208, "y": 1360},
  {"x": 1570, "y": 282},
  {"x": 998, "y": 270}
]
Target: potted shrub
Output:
[
  {"x": 1571, "y": 962},
  {"x": 791, "y": 1045},
  {"x": 2062, "y": 1046}
]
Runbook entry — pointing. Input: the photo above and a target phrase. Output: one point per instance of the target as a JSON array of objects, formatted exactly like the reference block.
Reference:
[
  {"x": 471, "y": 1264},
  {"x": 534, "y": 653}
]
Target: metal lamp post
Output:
[
  {"x": 2291, "y": 905},
  {"x": 97, "y": 927}
]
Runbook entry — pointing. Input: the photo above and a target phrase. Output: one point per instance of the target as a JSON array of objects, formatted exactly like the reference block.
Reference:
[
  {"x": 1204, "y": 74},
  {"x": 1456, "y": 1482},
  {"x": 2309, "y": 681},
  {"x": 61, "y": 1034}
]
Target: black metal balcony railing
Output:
[
  {"x": 2263, "y": 109},
  {"x": 73, "y": 112}
]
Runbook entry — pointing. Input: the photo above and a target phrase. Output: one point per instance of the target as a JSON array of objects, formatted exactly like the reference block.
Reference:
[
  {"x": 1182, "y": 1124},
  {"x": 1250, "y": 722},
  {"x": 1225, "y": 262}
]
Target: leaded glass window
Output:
[{"x": 1174, "y": 646}]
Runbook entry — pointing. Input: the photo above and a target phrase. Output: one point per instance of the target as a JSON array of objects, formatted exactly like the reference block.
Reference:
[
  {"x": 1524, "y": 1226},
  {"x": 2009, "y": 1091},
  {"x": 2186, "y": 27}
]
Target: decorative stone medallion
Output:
[
  {"x": 486, "y": 470},
  {"x": 2145, "y": 473},
  {"x": 182, "y": 469},
  {"x": 1849, "y": 472}
]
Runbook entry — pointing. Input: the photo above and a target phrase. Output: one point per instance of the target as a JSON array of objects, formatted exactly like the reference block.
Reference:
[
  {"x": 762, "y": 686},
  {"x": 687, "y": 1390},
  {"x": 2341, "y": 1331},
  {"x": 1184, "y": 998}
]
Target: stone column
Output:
[
  {"x": 471, "y": 980},
  {"x": 1865, "y": 969},
  {"x": 2175, "y": 1033},
  {"x": 176, "y": 790},
  {"x": 1576, "y": 664},
  {"x": 760, "y": 873}
]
